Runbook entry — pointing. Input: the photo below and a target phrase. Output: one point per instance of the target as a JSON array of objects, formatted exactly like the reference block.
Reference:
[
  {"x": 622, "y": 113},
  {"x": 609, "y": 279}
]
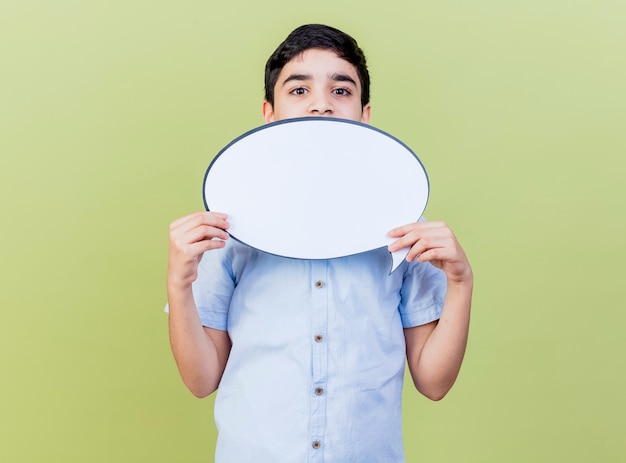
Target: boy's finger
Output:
[{"x": 198, "y": 218}]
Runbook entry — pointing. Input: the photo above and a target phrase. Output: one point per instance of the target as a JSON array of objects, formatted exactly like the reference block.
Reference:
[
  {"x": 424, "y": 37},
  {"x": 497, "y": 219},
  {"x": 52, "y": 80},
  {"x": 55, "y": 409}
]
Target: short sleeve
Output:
[
  {"x": 422, "y": 294},
  {"x": 213, "y": 289}
]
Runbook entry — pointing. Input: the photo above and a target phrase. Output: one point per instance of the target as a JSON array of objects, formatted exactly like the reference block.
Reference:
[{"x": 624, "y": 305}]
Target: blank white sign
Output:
[{"x": 317, "y": 188}]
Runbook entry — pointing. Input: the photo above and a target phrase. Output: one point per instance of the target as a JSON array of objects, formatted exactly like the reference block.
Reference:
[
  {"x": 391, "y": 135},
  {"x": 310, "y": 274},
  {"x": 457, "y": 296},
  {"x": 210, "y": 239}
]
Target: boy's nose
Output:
[{"x": 321, "y": 106}]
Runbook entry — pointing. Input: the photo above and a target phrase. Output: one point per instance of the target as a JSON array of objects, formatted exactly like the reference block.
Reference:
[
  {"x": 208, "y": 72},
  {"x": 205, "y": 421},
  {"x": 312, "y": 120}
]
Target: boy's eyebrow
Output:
[
  {"x": 342, "y": 78},
  {"x": 297, "y": 77}
]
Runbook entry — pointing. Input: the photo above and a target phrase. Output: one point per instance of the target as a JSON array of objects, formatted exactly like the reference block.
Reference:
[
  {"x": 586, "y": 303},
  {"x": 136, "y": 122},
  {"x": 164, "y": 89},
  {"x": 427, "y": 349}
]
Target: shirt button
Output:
[
  {"x": 319, "y": 284},
  {"x": 316, "y": 444},
  {"x": 319, "y": 391},
  {"x": 318, "y": 338}
]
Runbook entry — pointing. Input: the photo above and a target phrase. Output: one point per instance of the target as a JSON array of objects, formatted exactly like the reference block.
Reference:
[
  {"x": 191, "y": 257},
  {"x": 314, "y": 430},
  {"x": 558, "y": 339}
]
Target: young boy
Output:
[{"x": 309, "y": 355}]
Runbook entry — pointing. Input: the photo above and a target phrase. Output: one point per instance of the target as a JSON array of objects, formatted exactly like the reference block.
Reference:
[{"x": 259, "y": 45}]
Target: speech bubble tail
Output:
[{"x": 397, "y": 258}]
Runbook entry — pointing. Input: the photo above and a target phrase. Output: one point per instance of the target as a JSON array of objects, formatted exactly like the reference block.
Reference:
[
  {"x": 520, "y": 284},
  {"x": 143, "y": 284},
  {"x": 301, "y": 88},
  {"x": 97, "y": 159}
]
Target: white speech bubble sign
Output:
[{"x": 317, "y": 188}]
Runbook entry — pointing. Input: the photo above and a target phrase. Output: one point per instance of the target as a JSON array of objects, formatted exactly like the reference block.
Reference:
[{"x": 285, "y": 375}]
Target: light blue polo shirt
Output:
[{"x": 316, "y": 369}]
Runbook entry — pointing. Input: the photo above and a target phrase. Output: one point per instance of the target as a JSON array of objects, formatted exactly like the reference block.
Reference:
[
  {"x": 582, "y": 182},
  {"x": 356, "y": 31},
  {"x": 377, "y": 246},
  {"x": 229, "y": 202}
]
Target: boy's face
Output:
[{"x": 317, "y": 83}]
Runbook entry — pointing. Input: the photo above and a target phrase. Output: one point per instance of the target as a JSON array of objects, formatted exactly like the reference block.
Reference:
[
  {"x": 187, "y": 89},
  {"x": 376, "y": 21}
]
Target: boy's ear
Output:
[
  {"x": 268, "y": 112},
  {"x": 365, "y": 114}
]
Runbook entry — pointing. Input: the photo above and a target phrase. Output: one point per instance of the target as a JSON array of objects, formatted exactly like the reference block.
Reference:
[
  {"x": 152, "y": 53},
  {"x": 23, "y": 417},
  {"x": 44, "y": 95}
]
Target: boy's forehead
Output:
[{"x": 320, "y": 60}]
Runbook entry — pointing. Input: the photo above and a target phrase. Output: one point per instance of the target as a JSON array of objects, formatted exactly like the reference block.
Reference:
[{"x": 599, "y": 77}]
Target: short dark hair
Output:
[{"x": 321, "y": 37}]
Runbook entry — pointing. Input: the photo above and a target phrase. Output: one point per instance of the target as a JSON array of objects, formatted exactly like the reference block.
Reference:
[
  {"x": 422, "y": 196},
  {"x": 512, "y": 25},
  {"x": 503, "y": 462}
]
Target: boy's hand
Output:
[
  {"x": 433, "y": 242},
  {"x": 190, "y": 237}
]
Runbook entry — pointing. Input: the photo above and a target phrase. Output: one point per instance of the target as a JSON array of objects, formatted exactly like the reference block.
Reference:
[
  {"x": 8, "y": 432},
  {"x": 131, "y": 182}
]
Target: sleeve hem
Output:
[
  {"x": 422, "y": 317},
  {"x": 214, "y": 322}
]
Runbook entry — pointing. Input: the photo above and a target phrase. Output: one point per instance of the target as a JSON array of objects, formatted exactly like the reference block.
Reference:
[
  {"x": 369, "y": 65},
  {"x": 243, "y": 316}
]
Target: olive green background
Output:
[{"x": 110, "y": 112}]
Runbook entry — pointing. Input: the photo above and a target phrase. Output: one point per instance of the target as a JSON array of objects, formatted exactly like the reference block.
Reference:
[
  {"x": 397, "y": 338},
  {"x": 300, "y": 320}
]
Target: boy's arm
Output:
[
  {"x": 435, "y": 351},
  {"x": 200, "y": 353}
]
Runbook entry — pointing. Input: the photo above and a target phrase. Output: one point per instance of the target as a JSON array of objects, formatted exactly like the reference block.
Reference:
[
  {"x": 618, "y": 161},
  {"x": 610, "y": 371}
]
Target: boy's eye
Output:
[
  {"x": 341, "y": 91},
  {"x": 298, "y": 91}
]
